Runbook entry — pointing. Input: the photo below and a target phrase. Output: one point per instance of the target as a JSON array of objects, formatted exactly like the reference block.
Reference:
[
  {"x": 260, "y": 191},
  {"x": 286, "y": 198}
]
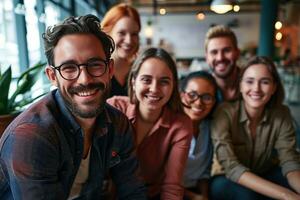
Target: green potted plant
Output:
[{"x": 10, "y": 105}]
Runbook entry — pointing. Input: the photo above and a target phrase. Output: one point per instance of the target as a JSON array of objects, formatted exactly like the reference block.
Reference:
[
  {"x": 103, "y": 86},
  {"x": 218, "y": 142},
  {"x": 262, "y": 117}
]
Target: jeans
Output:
[{"x": 222, "y": 188}]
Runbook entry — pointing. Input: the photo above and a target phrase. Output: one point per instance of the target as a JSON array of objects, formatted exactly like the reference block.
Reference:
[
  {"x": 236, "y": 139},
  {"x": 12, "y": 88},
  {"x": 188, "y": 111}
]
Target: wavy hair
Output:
[{"x": 88, "y": 24}]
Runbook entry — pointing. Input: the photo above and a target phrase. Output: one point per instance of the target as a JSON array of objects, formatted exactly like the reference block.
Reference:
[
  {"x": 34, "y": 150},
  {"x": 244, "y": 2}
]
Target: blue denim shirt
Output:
[{"x": 41, "y": 150}]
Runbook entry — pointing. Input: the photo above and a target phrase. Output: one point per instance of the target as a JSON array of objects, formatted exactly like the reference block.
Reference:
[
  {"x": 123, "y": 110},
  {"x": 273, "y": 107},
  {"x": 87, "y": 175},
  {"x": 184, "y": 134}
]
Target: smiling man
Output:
[
  {"x": 222, "y": 53},
  {"x": 64, "y": 146}
]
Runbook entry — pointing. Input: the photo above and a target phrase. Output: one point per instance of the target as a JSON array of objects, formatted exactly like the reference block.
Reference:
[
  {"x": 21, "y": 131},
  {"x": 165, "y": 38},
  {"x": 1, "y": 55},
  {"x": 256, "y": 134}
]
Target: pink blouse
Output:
[{"x": 163, "y": 152}]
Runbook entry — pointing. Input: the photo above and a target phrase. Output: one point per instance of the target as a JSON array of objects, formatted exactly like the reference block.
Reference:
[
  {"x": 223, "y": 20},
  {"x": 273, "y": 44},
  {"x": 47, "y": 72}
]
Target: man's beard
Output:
[
  {"x": 75, "y": 108},
  {"x": 230, "y": 67}
]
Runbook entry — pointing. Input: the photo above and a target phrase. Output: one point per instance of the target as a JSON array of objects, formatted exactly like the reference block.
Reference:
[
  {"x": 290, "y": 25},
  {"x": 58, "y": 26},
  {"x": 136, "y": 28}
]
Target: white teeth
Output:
[
  {"x": 126, "y": 47},
  {"x": 153, "y": 98},
  {"x": 86, "y": 93},
  {"x": 256, "y": 97},
  {"x": 197, "y": 109}
]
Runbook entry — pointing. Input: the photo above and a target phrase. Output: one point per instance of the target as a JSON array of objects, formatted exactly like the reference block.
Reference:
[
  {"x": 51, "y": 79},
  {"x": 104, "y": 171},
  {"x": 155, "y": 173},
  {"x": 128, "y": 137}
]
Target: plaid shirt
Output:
[{"x": 41, "y": 150}]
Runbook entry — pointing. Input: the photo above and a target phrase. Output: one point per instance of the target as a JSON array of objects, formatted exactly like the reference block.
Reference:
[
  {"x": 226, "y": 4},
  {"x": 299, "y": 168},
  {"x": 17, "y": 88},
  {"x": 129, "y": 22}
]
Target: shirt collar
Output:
[
  {"x": 67, "y": 119},
  {"x": 243, "y": 114},
  {"x": 164, "y": 120}
]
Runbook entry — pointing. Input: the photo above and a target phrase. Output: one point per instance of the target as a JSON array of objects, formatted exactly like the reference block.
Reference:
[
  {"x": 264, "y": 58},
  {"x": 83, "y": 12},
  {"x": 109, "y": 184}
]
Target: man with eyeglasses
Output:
[
  {"x": 222, "y": 53},
  {"x": 64, "y": 146}
]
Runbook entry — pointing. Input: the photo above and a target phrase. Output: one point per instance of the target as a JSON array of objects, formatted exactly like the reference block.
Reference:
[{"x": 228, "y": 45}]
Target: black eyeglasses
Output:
[
  {"x": 71, "y": 71},
  {"x": 205, "y": 98}
]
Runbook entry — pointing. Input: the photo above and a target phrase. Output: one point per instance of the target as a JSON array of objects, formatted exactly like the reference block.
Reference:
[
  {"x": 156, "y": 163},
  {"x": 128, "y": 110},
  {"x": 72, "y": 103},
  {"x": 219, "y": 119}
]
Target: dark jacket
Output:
[{"x": 41, "y": 150}]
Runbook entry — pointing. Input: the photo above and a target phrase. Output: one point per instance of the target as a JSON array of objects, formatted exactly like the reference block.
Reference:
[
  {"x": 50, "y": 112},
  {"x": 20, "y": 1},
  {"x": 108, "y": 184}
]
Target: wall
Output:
[{"x": 185, "y": 34}]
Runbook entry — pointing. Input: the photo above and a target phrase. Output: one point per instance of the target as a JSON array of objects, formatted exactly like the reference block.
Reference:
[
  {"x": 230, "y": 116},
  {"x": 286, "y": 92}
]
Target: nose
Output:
[
  {"x": 220, "y": 55},
  {"x": 128, "y": 38},
  {"x": 153, "y": 86},
  {"x": 84, "y": 76},
  {"x": 198, "y": 102},
  {"x": 257, "y": 86}
]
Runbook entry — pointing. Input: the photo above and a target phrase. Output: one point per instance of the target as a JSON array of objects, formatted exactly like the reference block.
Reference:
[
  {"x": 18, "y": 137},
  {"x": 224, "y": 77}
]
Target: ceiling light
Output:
[
  {"x": 278, "y": 25},
  {"x": 221, "y": 6},
  {"x": 278, "y": 36},
  {"x": 162, "y": 11},
  {"x": 201, "y": 16},
  {"x": 236, "y": 8}
]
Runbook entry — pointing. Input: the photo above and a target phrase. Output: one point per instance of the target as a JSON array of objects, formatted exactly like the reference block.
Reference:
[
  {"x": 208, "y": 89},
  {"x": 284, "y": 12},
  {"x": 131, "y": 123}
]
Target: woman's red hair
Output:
[{"x": 118, "y": 11}]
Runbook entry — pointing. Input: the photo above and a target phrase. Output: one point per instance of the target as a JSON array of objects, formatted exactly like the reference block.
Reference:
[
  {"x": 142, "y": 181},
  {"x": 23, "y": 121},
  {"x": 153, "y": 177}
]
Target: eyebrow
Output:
[
  {"x": 95, "y": 59},
  {"x": 88, "y": 60},
  {"x": 150, "y": 76},
  {"x": 263, "y": 78},
  {"x": 165, "y": 78}
]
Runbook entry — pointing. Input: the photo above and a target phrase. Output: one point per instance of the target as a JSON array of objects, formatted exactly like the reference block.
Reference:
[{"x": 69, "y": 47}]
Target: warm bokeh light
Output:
[
  {"x": 162, "y": 11},
  {"x": 278, "y": 25},
  {"x": 278, "y": 36},
  {"x": 236, "y": 8},
  {"x": 221, "y": 9},
  {"x": 149, "y": 32},
  {"x": 200, "y": 16}
]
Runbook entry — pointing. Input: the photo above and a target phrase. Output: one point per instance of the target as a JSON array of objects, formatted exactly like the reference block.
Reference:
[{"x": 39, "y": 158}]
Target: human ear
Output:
[{"x": 51, "y": 75}]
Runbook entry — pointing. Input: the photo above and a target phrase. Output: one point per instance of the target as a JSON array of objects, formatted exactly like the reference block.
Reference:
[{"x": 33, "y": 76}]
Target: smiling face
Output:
[
  {"x": 257, "y": 87},
  {"x": 125, "y": 34},
  {"x": 85, "y": 95},
  {"x": 197, "y": 110},
  {"x": 153, "y": 85},
  {"x": 221, "y": 56}
]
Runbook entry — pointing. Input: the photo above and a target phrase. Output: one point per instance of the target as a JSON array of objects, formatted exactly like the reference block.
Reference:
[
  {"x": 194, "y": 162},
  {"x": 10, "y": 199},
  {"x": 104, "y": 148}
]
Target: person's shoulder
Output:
[
  {"x": 176, "y": 116},
  {"x": 280, "y": 111},
  {"x": 38, "y": 119},
  {"x": 179, "y": 119},
  {"x": 119, "y": 102},
  {"x": 118, "y": 120},
  {"x": 39, "y": 112},
  {"x": 228, "y": 106},
  {"x": 115, "y": 114}
]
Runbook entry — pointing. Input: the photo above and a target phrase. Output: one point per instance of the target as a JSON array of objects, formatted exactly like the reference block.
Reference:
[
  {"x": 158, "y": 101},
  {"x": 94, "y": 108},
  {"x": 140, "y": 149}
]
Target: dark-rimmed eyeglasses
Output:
[
  {"x": 71, "y": 71},
  {"x": 205, "y": 98}
]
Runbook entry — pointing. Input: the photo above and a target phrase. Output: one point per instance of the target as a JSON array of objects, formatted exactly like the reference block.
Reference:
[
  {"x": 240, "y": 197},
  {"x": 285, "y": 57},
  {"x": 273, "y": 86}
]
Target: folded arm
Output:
[{"x": 265, "y": 187}]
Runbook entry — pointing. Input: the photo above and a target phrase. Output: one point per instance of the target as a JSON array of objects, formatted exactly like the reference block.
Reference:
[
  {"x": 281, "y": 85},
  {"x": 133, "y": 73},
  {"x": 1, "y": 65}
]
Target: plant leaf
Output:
[
  {"x": 5, "y": 80},
  {"x": 26, "y": 81},
  {"x": 26, "y": 101}
]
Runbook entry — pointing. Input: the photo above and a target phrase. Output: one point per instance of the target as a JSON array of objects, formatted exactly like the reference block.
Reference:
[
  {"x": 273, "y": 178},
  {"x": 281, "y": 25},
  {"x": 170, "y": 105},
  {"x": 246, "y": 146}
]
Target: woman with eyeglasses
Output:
[
  {"x": 122, "y": 23},
  {"x": 162, "y": 130},
  {"x": 198, "y": 96},
  {"x": 254, "y": 140}
]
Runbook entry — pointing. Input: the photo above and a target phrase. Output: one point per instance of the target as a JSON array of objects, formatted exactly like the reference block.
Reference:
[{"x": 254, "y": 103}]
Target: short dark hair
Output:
[
  {"x": 198, "y": 74},
  {"x": 174, "y": 101},
  {"x": 88, "y": 24},
  {"x": 278, "y": 97}
]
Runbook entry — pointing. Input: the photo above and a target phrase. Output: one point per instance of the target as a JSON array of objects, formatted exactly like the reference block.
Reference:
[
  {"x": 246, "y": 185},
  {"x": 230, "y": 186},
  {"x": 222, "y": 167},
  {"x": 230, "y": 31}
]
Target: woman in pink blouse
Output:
[{"x": 162, "y": 131}]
